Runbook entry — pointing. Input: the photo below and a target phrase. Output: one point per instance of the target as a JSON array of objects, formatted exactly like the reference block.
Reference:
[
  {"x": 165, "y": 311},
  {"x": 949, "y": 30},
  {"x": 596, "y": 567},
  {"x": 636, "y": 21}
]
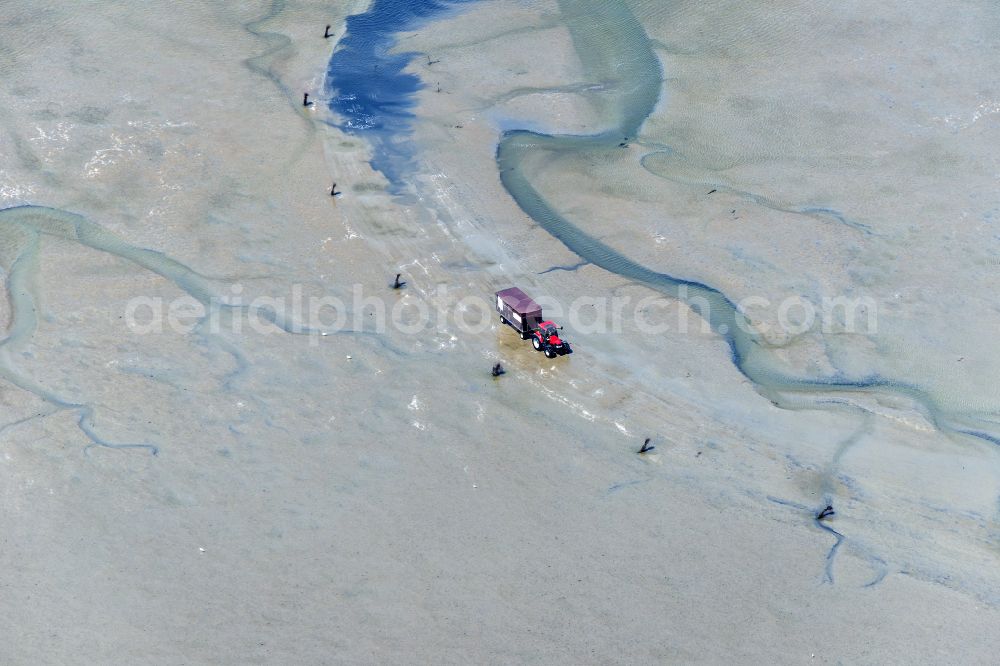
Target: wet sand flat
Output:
[{"x": 246, "y": 489}]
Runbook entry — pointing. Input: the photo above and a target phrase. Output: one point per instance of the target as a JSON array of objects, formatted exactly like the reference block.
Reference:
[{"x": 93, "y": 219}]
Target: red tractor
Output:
[
  {"x": 546, "y": 339},
  {"x": 521, "y": 313}
]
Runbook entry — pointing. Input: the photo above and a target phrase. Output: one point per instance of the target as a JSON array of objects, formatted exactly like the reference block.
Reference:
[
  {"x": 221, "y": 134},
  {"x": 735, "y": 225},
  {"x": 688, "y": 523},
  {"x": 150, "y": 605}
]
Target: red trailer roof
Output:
[{"x": 519, "y": 301}]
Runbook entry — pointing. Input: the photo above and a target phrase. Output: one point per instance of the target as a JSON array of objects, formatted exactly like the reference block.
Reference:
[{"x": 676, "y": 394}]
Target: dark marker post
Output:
[
  {"x": 333, "y": 190},
  {"x": 327, "y": 35},
  {"x": 398, "y": 284},
  {"x": 497, "y": 370},
  {"x": 825, "y": 513},
  {"x": 646, "y": 446},
  {"x": 305, "y": 99}
]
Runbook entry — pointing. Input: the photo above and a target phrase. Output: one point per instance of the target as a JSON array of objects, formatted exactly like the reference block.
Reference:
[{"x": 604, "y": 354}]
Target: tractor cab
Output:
[{"x": 549, "y": 332}]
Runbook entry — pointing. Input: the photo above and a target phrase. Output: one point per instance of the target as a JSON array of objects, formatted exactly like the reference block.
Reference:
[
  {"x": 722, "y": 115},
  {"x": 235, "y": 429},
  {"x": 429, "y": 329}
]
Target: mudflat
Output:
[{"x": 770, "y": 235}]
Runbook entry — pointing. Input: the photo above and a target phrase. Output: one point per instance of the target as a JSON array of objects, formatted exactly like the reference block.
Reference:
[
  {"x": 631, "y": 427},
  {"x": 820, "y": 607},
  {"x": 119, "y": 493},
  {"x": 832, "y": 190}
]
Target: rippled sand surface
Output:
[{"x": 246, "y": 490}]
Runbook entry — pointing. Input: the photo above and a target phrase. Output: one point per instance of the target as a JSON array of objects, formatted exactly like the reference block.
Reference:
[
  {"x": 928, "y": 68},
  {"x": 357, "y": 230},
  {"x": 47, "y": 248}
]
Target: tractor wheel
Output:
[
  {"x": 536, "y": 343},
  {"x": 550, "y": 353}
]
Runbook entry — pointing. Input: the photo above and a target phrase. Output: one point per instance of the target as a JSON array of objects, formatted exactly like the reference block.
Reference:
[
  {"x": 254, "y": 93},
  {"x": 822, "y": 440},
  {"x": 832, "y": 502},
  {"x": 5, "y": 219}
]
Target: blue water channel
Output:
[{"x": 368, "y": 88}]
